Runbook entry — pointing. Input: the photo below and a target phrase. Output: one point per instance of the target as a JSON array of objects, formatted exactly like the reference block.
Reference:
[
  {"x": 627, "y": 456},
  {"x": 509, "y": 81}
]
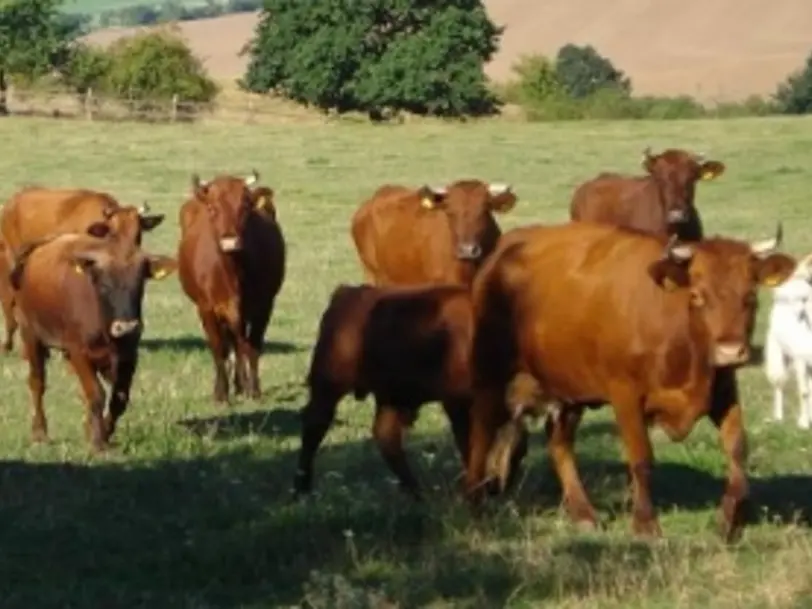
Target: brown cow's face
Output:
[
  {"x": 228, "y": 202},
  {"x": 677, "y": 173},
  {"x": 129, "y": 222},
  {"x": 722, "y": 277},
  {"x": 119, "y": 277},
  {"x": 468, "y": 205}
]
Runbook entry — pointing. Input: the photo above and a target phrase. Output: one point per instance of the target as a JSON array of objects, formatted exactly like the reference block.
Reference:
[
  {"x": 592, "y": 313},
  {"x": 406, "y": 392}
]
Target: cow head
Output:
[
  {"x": 229, "y": 200},
  {"x": 676, "y": 173},
  {"x": 720, "y": 277},
  {"x": 130, "y": 222},
  {"x": 468, "y": 205},
  {"x": 118, "y": 276}
]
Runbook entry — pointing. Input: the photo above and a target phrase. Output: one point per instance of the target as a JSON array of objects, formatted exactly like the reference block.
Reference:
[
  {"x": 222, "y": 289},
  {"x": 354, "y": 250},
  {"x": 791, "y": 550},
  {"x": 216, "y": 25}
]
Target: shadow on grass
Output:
[
  {"x": 189, "y": 343},
  {"x": 276, "y": 422}
]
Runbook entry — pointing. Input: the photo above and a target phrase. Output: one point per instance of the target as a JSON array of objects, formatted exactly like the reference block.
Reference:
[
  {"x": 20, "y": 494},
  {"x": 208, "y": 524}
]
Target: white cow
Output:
[{"x": 789, "y": 341}]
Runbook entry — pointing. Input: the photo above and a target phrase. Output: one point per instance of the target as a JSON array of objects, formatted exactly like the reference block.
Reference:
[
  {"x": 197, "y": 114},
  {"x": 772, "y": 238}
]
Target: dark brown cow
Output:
[
  {"x": 35, "y": 213},
  {"x": 231, "y": 264},
  {"x": 661, "y": 202},
  {"x": 7, "y": 300},
  {"x": 599, "y": 314},
  {"x": 82, "y": 295},
  {"x": 406, "y": 346},
  {"x": 430, "y": 235}
]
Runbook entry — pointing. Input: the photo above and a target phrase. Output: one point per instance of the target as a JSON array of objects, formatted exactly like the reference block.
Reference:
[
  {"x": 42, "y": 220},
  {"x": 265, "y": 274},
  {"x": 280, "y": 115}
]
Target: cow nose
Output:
[
  {"x": 731, "y": 354},
  {"x": 468, "y": 251},
  {"x": 230, "y": 244},
  {"x": 676, "y": 215},
  {"x": 122, "y": 327}
]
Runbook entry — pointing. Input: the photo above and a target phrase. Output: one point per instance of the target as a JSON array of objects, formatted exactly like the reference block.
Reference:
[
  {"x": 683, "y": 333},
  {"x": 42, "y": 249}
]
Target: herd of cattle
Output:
[{"x": 629, "y": 304}]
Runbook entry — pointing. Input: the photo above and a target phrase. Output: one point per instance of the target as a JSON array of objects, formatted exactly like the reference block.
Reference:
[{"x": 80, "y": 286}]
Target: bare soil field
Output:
[{"x": 716, "y": 51}]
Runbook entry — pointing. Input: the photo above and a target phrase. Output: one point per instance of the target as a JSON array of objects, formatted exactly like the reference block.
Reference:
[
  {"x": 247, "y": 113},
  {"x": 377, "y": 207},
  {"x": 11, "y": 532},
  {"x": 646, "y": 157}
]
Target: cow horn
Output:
[
  {"x": 498, "y": 188},
  {"x": 761, "y": 248},
  {"x": 679, "y": 252},
  {"x": 197, "y": 183},
  {"x": 647, "y": 153},
  {"x": 252, "y": 179},
  {"x": 144, "y": 209}
]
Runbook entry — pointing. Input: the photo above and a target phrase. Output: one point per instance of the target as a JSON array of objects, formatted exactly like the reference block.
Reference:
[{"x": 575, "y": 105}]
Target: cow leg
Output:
[
  {"x": 256, "y": 336},
  {"x": 388, "y": 431},
  {"x": 36, "y": 354},
  {"x": 94, "y": 395},
  {"x": 560, "y": 428},
  {"x": 317, "y": 418},
  {"x": 726, "y": 415},
  {"x": 802, "y": 381},
  {"x": 457, "y": 411},
  {"x": 11, "y": 323},
  {"x": 631, "y": 422},
  {"x": 219, "y": 352},
  {"x": 120, "y": 394}
]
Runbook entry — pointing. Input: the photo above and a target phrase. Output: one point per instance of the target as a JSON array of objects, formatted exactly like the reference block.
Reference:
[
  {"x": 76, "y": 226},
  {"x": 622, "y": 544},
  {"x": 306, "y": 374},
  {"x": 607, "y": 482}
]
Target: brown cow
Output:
[
  {"x": 231, "y": 264},
  {"x": 661, "y": 202},
  {"x": 404, "y": 345},
  {"x": 35, "y": 213},
  {"x": 7, "y": 300},
  {"x": 599, "y": 314},
  {"x": 82, "y": 295},
  {"x": 429, "y": 235}
]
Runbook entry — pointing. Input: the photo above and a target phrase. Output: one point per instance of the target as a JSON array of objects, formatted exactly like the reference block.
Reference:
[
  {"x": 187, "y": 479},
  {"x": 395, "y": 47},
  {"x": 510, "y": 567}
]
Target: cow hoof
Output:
[
  {"x": 647, "y": 528},
  {"x": 39, "y": 436},
  {"x": 588, "y": 525}
]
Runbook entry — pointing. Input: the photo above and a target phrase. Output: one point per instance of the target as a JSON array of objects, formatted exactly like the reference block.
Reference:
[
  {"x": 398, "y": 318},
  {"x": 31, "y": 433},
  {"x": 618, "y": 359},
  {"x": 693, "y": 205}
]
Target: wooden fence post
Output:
[
  {"x": 89, "y": 104},
  {"x": 174, "y": 116}
]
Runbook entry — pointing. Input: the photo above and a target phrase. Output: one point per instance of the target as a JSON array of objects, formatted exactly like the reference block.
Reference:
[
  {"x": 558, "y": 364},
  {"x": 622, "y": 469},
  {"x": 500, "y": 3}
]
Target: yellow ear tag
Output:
[
  {"x": 78, "y": 268},
  {"x": 159, "y": 274},
  {"x": 427, "y": 203},
  {"x": 772, "y": 281},
  {"x": 708, "y": 174},
  {"x": 261, "y": 202},
  {"x": 669, "y": 285}
]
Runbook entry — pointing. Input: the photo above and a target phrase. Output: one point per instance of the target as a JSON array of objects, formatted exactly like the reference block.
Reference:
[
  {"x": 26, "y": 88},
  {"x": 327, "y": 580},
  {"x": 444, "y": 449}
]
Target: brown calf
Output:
[
  {"x": 35, "y": 213},
  {"x": 661, "y": 202},
  {"x": 599, "y": 314},
  {"x": 429, "y": 235},
  {"x": 231, "y": 264},
  {"x": 82, "y": 295},
  {"x": 405, "y": 346}
]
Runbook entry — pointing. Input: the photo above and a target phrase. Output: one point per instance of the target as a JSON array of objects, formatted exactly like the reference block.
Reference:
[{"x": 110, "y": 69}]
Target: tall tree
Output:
[
  {"x": 34, "y": 39},
  {"x": 424, "y": 56}
]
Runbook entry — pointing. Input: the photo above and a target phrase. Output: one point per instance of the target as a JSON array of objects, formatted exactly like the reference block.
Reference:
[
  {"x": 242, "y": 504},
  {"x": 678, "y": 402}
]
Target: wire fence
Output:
[{"x": 244, "y": 108}]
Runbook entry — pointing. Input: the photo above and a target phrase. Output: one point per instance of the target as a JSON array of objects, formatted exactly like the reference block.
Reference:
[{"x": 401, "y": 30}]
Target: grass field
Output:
[{"x": 193, "y": 508}]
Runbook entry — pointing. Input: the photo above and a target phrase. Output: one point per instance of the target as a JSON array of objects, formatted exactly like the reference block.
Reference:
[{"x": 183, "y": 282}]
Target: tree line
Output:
[{"x": 378, "y": 57}]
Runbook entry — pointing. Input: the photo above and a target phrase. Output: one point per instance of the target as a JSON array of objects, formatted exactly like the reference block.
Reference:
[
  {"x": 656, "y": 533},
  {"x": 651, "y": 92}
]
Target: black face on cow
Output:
[
  {"x": 119, "y": 283},
  {"x": 468, "y": 204},
  {"x": 228, "y": 202},
  {"x": 677, "y": 173},
  {"x": 721, "y": 277}
]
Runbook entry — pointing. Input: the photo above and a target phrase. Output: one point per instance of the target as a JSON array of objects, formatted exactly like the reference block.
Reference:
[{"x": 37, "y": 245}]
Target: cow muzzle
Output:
[
  {"x": 230, "y": 244},
  {"x": 123, "y": 327},
  {"x": 731, "y": 354},
  {"x": 677, "y": 215},
  {"x": 469, "y": 251}
]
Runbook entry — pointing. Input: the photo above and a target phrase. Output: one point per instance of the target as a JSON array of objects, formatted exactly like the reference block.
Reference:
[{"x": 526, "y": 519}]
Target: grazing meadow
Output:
[{"x": 193, "y": 507}]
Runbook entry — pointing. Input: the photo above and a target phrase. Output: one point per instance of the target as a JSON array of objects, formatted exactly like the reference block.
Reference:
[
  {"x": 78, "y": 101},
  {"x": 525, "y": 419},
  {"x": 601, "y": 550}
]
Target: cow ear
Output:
[
  {"x": 431, "y": 197},
  {"x": 263, "y": 199},
  {"x": 150, "y": 222},
  {"x": 648, "y": 160},
  {"x": 98, "y": 229},
  {"x": 775, "y": 269},
  {"x": 83, "y": 264},
  {"x": 710, "y": 170},
  {"x": 159, "y": 267},
  {"x": 669, "y": 274},
  {"x": 502, "y": 199}
]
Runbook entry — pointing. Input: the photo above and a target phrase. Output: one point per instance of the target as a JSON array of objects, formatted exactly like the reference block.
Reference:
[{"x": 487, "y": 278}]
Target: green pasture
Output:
[{"x": 193, "y": 510}]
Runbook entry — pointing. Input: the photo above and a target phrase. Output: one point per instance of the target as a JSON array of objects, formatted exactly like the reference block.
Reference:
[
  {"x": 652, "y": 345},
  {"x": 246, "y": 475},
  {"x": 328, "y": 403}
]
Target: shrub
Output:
[
  {"x": 794, "y": 95},
  {"x": 582, "y": 71},
  {"x": 378, "y": 56}
]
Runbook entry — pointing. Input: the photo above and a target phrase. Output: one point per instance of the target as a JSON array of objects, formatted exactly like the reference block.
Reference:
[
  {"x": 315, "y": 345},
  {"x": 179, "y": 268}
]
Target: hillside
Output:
[{"x": 724, "y": 49}]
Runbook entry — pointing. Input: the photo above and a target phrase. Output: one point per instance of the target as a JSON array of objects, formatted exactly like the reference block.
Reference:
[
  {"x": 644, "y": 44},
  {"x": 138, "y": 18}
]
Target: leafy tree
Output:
[
  {"x": 794, "y": 95},
  {"x": 582, "y": 71},
  {"x": 424, "y": 56},
  {"x": 34, "y": 40}
]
